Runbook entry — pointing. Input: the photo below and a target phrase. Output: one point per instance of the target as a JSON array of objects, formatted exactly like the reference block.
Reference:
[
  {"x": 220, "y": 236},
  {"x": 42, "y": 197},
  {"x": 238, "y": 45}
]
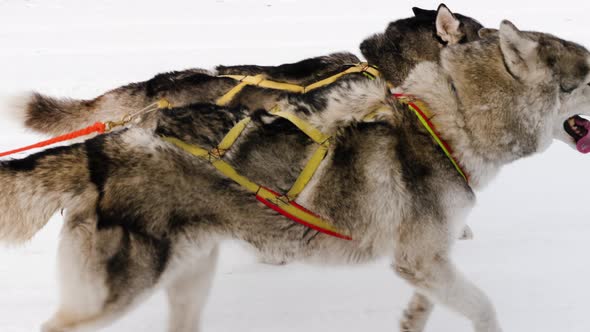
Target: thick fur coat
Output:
[{"x": 142, "y": 214}]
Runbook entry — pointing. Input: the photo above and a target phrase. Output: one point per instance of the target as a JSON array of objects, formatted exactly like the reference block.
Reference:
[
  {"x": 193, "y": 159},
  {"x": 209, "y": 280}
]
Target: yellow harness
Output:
[
  {"x": 261, "y": 81},
  {"x": 285, "y": 203}
]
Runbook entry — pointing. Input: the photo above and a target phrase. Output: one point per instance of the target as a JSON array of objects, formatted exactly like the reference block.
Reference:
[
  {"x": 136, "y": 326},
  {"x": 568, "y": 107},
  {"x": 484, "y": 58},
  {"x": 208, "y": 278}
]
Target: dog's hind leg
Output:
[
  {"x": 103, "y": 274},
  {"x": 83, "y": 291},
  {"x": 188, "y": 292},
  {"x": 422, "y": 259},
  {"x": 416, "y": 314}
]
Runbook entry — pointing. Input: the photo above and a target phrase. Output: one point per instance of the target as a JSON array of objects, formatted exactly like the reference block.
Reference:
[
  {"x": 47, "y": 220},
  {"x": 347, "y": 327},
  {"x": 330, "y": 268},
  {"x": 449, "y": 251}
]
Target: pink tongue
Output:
[{"x": 583, "y": 144}]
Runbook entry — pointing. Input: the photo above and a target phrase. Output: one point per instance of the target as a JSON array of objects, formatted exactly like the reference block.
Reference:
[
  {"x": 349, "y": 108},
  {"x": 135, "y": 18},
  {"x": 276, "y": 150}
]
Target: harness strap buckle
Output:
[
  {"x": 110, "y": 125},
  {"x": 217, "y": 153}
]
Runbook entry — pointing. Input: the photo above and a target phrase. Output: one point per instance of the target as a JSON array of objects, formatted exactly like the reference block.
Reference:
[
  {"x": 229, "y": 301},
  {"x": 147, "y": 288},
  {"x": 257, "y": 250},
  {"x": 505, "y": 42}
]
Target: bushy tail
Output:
[
  {"x": 51, "y": 115},
  {"x": 56, "y": 116},
  {"x": 34, "y": 188}
]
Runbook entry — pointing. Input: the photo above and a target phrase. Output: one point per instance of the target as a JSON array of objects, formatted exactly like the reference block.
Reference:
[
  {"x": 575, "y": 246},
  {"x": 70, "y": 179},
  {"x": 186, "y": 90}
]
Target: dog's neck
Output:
[{"x": 430, "y": 84}]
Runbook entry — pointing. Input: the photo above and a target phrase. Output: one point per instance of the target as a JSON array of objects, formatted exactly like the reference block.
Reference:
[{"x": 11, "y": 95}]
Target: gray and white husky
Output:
[
  {"x": 143, "y": 214},
  {"x": 405, "y": 43}
]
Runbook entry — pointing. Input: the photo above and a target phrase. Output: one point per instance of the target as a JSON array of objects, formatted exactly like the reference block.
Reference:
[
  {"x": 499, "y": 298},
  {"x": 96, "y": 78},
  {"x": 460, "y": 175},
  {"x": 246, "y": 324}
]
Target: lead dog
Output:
[
  {"x": 405, "y": 43},
  {"x": 143, "y": 214}
]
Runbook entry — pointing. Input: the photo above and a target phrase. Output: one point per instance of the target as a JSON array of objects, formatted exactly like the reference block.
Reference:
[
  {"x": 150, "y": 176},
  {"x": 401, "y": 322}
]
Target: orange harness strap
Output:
[{"x": 98, "y": 127}]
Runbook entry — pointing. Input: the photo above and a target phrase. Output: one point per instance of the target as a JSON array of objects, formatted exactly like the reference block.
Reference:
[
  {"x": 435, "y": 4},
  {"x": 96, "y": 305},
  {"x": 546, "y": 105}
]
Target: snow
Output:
[{"x": 531, "y": 232}]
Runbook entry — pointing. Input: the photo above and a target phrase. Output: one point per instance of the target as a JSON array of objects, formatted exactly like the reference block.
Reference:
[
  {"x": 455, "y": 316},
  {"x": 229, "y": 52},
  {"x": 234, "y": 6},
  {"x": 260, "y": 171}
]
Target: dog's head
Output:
[
  {"x": 517, "y": 91},
  {"x": 409, "y": 41},
  {"x": 570, "y": 65}
]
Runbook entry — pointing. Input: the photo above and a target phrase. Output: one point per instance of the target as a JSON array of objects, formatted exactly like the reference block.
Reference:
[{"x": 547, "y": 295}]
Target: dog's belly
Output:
[{"x": 317, "y": 248}]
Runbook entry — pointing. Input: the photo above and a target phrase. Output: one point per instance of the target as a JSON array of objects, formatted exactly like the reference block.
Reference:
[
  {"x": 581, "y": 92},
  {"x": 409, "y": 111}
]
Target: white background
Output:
[{"x": 531, "y": 226}]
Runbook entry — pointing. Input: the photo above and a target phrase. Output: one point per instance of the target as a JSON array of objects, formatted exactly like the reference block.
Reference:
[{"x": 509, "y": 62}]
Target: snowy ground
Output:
[{"x": 531, "y": 248}]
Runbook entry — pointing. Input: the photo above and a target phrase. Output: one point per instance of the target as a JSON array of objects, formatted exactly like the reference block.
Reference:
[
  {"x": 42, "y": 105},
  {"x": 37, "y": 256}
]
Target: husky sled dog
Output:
[
  {"x": 141, "y": 213},
  {"x": 405, "y": 43}
]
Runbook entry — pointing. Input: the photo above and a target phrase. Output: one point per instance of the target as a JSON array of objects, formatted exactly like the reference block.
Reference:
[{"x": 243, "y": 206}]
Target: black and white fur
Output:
[{"x": 130, "y": 228}]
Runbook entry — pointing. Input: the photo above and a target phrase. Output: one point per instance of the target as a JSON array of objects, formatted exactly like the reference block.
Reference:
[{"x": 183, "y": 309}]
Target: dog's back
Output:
[{"x": 405, "y": 43}]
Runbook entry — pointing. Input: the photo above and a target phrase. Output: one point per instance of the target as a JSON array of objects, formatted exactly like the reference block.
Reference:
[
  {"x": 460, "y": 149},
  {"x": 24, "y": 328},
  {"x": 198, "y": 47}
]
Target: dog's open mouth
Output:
[{"x": 578, "y": 128}]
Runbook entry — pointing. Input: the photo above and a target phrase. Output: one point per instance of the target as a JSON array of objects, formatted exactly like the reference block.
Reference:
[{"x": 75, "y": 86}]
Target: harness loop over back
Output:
[
  {"x": 284, "y": 204},
  {"x": 261, "y": 81}
]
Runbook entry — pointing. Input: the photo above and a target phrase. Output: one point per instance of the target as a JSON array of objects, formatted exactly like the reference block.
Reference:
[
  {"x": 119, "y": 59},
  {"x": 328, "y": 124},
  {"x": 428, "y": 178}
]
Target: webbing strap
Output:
[
  {"x": 283, "y": 204},
  {"x": 309, "y": 170},
  {"x": 316, "y": 135},
  {"x": 297, "y": 213},
  {"x": 260, "y": 81},
  {"x": 425, "y": 121},
  {"x": 244, "y": 81},
  {"x": 98, "y": 127},
  {"x": 380, "y": 109},
  {"x": 360, "y": 68},
  {"x": 219, "y": 164},
  {"x": 232, "y": 136}
]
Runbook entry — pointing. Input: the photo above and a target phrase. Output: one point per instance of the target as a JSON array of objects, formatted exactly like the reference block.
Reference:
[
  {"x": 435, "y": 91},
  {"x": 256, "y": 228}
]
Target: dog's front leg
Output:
[
  {"x": 444, "y": 284},
  {"x": 422, "y": 258},
  {"x": 416, "y": 314}
]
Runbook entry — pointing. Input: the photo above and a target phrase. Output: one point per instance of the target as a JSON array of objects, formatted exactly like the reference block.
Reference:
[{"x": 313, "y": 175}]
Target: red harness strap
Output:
[{"x": 299, "y": 220}]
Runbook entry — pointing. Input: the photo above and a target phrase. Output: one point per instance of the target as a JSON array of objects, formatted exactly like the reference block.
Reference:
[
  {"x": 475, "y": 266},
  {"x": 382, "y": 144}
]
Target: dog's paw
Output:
[
  {"x": 272, "y": 261},
  {"x": 50, "y": 327},
  {"x": 411, "y": 322},
  {"x": 57, "y": 324}
]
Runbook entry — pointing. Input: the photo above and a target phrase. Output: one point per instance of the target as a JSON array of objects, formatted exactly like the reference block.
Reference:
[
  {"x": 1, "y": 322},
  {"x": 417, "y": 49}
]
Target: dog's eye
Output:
[{"x": 566, "y": 89}]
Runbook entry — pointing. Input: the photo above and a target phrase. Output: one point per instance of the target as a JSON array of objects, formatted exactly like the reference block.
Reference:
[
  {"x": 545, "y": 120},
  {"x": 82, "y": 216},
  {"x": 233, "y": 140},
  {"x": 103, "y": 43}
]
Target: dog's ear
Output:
[
  {"x": 447, "y": 25},
  {"x": 419, "y": 12},
  {"x": 518, "y": 50},
  {"x": 487, "y": 32}
]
